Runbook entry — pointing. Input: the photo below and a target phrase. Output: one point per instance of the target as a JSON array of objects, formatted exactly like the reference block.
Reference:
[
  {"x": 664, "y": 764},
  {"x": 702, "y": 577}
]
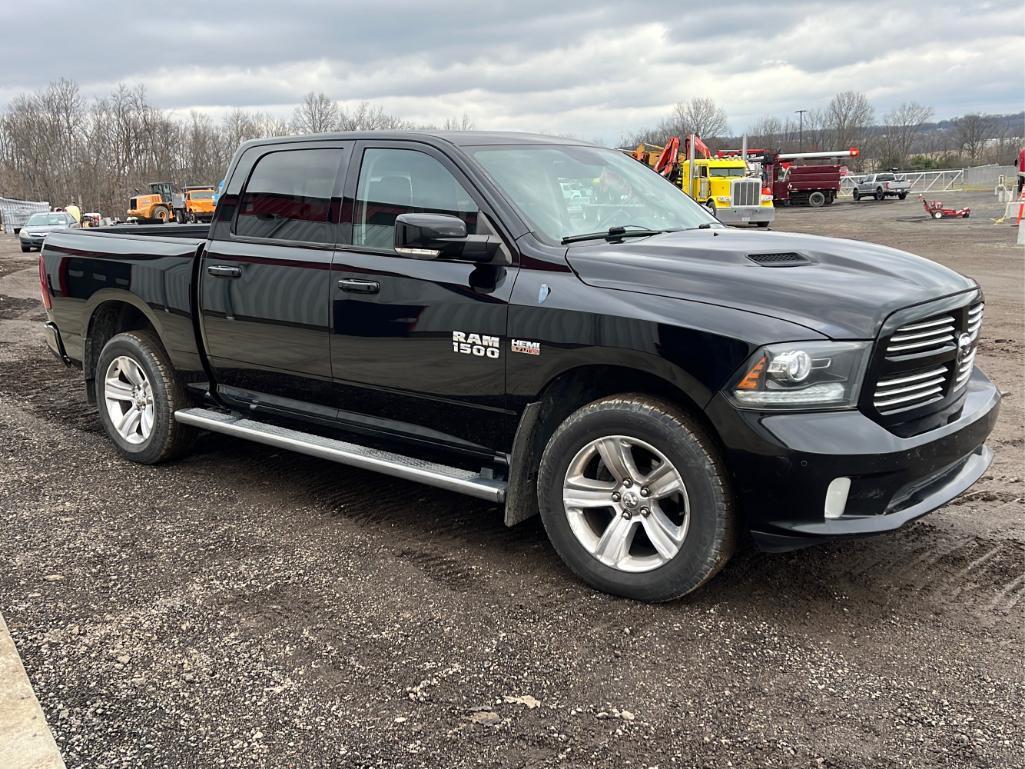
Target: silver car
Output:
[{"x": 38, "y": 225}]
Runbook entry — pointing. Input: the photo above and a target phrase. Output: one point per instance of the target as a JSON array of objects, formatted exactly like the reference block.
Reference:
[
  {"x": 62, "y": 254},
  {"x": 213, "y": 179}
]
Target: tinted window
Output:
[
  {"x": 885, "y": 178},
  {"x": 288, "y": 196},
  {"x": 393, "y": 182}
]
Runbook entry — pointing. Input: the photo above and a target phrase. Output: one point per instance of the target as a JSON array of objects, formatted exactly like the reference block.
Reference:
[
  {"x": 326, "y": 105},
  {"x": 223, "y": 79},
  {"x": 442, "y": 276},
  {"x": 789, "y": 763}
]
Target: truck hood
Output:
[{"x": 843, "y": 289}]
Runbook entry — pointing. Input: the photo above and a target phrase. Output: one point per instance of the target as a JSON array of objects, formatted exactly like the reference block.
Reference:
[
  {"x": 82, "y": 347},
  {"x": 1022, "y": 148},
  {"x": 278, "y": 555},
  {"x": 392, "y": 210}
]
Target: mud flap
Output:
[{"x": 521, "y": 492}]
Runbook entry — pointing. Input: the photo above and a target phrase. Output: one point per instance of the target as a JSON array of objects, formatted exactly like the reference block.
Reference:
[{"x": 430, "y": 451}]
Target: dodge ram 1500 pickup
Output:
[{"x": 544, "y": 324}]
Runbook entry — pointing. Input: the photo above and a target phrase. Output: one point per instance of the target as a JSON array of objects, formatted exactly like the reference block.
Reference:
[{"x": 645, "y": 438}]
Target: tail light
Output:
[{"x": 44, "y": 285}]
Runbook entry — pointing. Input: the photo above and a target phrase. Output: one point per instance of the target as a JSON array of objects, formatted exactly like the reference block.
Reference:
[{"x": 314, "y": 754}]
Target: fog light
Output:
[{"x": 836, "y": 497}]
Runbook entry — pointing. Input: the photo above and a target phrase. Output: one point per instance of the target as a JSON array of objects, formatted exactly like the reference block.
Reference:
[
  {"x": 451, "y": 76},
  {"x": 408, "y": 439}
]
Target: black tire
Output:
[
  {"x": 762, "y": 224},
  {"x": 902, "y": 195},
  {"x": 830, "y": 198},
  {"x": 710, "y": 538},
  {"x": 817, "y": 199},
  {"x": 161, "y": 214},
  {"x": 168, "y": 439},
  {"x": 857, "y": 195},
  {"x": 25, "y": 249},
  {"x": 710, "y": 205},
  {"x": 880, "y": 194}
]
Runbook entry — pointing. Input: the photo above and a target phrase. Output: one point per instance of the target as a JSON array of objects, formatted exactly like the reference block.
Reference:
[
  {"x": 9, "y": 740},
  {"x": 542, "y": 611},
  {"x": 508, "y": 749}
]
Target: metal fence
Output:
[
  {"x": 921, "y": 181},
  {"x": 14, "y": 213}
]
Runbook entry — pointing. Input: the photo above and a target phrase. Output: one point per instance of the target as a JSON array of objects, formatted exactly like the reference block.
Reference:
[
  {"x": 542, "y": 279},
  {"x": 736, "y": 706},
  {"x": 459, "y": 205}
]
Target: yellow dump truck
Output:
[
  {"x": 164, "y": 203},
  {"x": 723, "y": 185}
]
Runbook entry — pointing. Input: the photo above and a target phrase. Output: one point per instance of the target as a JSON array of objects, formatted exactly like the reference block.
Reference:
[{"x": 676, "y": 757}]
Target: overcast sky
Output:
[{"x": 596, "y": 70}]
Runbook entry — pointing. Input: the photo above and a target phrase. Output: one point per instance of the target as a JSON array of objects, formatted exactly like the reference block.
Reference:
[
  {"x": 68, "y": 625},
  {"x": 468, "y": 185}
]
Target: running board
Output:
[{"x": 430, "y": 473}]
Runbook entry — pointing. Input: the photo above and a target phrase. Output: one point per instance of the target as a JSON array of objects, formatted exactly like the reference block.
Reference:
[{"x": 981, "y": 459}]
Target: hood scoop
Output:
[{"x": 780, "y": 259}]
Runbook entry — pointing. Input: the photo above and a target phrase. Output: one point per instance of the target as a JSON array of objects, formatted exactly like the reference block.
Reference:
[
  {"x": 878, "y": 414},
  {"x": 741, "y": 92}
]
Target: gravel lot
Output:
[{"x": 251, "y": 608}]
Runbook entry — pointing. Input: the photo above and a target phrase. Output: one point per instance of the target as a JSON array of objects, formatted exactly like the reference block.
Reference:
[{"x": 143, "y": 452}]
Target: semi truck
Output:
[
  {"x": 723, "y": 185},
  {"x": 441, "y": 307}
]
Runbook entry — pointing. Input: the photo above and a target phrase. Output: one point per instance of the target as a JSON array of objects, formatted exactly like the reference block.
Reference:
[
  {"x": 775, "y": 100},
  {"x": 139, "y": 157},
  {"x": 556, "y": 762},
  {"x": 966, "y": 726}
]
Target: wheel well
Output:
[
  {"x": 564, "y": 395},
  {"x": 108, "y": 320}
]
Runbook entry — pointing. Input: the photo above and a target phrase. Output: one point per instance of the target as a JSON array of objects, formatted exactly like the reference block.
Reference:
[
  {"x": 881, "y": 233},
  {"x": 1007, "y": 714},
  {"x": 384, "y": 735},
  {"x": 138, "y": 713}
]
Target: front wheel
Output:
[
  {"x": 635, "y": 499},
  {"x": 937, "y": 214},
  {"x": 25, "y": 249},
  {"x": 137, "y": 393},
  {"x": 880, "y": 194},
  {"x": 710, "y": 206}
]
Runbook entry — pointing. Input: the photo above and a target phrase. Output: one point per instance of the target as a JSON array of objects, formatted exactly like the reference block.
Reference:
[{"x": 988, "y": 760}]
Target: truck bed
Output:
[{"x": 146, "y": 269}]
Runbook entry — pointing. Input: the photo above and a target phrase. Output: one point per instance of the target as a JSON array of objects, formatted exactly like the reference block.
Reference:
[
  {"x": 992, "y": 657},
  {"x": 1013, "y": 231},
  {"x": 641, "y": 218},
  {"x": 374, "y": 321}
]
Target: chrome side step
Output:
[{"x": 430, "y": 473}]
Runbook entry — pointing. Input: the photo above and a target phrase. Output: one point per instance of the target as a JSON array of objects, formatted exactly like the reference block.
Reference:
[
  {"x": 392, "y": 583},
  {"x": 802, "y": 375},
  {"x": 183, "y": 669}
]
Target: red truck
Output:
[{"x": 812, "y": 185}]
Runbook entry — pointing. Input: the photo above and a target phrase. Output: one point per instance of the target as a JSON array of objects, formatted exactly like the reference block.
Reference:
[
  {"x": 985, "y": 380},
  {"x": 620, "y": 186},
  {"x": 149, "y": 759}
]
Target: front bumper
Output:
[
  {"x": 782, "y": 465},
  {"x": 745, "y": 214},
  {"x": 35, "y": 241}
]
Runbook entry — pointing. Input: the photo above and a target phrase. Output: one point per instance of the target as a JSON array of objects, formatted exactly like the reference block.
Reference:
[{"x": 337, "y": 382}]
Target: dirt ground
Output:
[{"x": 251, "y": 608}]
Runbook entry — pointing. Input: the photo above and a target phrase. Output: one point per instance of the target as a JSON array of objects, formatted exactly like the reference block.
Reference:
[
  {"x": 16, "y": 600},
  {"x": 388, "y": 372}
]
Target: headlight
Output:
[{"x": 802, "y": 375}]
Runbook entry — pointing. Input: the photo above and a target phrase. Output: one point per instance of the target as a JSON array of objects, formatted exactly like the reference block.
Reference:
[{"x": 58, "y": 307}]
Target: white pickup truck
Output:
[{"x": 881, "y": 186}]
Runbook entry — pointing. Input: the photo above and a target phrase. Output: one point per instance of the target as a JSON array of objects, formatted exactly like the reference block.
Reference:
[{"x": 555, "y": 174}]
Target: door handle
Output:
[
  {"x": 359, "y": 286},
  {"x": 224, "y": 271}
]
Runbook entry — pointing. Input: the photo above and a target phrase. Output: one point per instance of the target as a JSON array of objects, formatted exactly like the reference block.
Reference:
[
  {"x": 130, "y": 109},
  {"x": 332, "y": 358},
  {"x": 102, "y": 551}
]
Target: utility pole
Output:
[{"x": 800, "y": 129}]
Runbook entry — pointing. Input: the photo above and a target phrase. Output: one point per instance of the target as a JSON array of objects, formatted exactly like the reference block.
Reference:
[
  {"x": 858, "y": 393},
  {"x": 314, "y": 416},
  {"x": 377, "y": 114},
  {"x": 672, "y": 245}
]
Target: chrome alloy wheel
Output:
[
  {"x": 626, "y": 503},
  {"x": 128, "y": 397}
]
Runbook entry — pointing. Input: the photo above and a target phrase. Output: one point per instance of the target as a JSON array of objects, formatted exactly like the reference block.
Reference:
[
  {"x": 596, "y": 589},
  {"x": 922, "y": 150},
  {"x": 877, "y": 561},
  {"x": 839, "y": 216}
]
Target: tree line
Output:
[
  {"x": 58, "y": 147},
  {"x": 904, "y": 137}
]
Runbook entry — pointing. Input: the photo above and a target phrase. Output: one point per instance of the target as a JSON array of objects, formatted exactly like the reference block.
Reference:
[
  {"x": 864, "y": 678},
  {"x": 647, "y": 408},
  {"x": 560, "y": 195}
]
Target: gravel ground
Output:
[{"x": 251, "y": 608}]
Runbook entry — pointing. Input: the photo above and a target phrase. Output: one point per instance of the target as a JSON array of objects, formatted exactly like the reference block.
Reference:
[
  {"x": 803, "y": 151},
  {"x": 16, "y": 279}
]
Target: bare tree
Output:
[
  {"x": 700, "y": 116},
  {"x": 971, "y": 133},
  {"x": 369, "y": 117},
  {"x": 768, "y": 133},
  {"x": 903, "y": 125},
  {"x": 846, "y": 118},
  {"x": 316, "y": 114}
]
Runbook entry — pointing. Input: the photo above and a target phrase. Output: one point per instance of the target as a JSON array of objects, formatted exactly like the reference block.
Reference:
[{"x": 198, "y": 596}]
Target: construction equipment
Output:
[
  {"x": 165, "y": 203},
  {"x": 722, "y": 184},
  {"x": 798, "y": 183},
  {"x": 936, "y": 210}
]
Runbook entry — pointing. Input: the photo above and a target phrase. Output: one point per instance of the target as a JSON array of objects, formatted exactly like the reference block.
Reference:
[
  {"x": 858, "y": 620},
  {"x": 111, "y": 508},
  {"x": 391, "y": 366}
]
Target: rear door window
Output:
[{"x": 288, "y": 197}]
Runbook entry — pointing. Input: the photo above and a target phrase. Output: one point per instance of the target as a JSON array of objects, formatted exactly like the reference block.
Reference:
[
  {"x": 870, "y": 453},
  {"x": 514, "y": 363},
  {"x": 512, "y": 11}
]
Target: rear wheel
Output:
[
  {"x": 816, "y": 199},
  {"x": 880, "y": 194},
  {"x": 634, "y": 499},
  {"x": 138, "y": 393},
  {"x": 762, "y": 224},
  {"x": 857, "y": 195},
  {"x": 902, "y": 195}
]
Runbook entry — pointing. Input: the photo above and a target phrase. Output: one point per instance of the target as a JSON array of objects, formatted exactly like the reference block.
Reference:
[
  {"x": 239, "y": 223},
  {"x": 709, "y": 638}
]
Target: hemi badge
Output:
[{"x": 527, "y": 348}]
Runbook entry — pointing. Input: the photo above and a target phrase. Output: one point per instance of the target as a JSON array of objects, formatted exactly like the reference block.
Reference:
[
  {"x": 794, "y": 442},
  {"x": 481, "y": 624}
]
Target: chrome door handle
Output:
[
  {"x": 224, "y": 271},
  {"x": 359, "y": 286}
]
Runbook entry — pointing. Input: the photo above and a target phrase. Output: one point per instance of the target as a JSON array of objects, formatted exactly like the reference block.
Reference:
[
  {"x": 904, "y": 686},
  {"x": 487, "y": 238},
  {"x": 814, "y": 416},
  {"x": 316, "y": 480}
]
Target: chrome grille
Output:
[
  {"x": 910, "y": 390},
  {"x": 746, "y": 192},
  {"x": 923, "y": 336},
  {"x": 975, "y": 320}
]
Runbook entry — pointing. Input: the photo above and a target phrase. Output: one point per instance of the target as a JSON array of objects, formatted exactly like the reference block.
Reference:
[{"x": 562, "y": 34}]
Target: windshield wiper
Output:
[{"x": 613, "y": 233}]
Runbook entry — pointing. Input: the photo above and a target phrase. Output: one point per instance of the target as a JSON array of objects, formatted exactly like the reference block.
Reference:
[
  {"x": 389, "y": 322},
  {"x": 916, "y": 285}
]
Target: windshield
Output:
[
  {"x": 201, "y": 195},
  {"x": 39, "y": 220},
  {"x": 564, "y": 191},
  {"x": 713, "y": 171}
]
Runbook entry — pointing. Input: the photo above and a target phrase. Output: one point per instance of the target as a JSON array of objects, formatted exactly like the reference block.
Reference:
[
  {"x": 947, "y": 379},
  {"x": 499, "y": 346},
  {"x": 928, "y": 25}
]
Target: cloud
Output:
[{"x": 591, "y": 69}]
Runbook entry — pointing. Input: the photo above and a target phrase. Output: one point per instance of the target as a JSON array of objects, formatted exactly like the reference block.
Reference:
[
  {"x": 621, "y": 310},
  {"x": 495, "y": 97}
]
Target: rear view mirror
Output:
[{"x": 440, "y": 236}]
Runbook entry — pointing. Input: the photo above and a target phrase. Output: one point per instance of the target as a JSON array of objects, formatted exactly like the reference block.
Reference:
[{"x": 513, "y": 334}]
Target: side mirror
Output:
[{"x": 440, "y": 236}]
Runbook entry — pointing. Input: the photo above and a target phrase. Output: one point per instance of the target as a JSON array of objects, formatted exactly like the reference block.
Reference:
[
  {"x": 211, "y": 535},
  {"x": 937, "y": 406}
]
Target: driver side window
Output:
[{"x": 398, "y": 181}]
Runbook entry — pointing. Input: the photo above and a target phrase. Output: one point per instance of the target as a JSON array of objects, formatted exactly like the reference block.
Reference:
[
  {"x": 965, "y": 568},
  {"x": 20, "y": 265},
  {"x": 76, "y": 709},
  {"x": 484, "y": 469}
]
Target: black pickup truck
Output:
[{"x": 544, "y": 324}]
